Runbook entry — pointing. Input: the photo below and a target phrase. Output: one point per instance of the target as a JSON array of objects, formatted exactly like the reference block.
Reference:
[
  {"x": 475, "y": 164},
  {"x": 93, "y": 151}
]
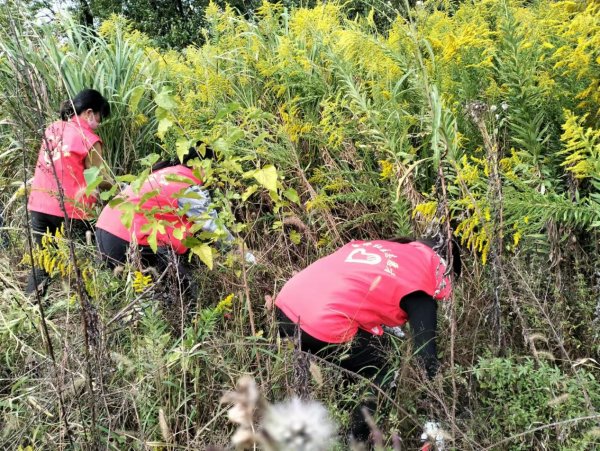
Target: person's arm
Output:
[
  {"x": 198, "y": 200},
  {"x": 422, "y": 316},
  {"x": 94, "y": 159}
]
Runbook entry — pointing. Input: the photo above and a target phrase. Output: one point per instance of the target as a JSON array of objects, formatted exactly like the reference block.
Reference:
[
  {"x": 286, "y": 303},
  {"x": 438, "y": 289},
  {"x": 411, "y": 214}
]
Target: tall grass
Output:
[
  {"x": 451, "y": 121},
  {"x": 67, "y": 58}
]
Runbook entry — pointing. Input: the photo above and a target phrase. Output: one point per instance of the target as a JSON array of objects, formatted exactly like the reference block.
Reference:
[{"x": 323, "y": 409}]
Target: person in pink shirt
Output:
[
  {"x": 57, "y": 196},
  {"x": 343, "y": 303},
  {"x": 173, "y": 195}
]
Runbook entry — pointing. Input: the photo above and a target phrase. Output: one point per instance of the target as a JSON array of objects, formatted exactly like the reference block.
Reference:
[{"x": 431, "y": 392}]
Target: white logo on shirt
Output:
[{"x": 362, "y": 256}]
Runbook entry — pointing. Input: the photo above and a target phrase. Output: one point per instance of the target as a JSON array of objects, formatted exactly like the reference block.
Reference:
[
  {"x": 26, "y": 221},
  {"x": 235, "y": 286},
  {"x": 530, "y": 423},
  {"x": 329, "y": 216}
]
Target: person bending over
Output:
[
  {"x": 173, "y": 196},
  {"x": 341, "y": 303}
]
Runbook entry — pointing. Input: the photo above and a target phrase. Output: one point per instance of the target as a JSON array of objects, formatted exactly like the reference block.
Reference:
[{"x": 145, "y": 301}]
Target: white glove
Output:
[
  {"x": 396, "y": 331},
  {"x": 250, "y": 258},
  {"x": 432, "y": 433}
]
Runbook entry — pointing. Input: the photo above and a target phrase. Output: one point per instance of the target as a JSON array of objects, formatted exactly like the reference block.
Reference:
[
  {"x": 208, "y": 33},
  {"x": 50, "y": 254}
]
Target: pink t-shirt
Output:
[
  {"x": 360, "y": 286},
  {"x": 66, "y": 145}
]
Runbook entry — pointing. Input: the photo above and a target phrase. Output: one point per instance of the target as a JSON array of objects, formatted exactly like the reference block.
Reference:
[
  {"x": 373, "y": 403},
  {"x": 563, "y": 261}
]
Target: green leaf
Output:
[
  {"x": 152, "y": 240},
  {"x": 182, "y": 146},
  {"x": 136, "y": 96},
  {"x": 163, "y": 127},
  {"x": 260, "y": 139},
  {"x": 91, "y": 174},
  {"x": 161, "y": 113},
  {"x": 204, "y": 252},
  {"x": 235, "y": 135},
  {"x": 267, "y": 177},
  {"x": 228, "y": 109},
  {"x": 178, "y": 233},
  {"x": 292, "y": 195},
  {"x": 127, "y": 178},
  {"x": 220, "y": 146},
  {"x": 249, "y": 192},
  {"x": 105, "y": 195},
  {"x": 295, "y": 237},
  {"x": 146, "y": 161},
  {"x": 136, "y": 184},
  {"x": 165, "y": 100},
  {"x": 127, "y": 216},
  {"x": 92, "y": 179}
]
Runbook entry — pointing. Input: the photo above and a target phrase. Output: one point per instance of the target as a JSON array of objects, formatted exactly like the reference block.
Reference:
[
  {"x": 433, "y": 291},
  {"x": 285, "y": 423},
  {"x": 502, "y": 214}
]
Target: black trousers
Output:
[
  {"x": 114, "y": 250},
  {"x": 364, "y": 355},
  {"x": 42, "y": 223}
]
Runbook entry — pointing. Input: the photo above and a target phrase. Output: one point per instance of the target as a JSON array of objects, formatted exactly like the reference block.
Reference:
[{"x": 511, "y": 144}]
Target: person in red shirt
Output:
[
  {"x": 344, "y": 301},
  {"x": 172, "y": 195},
  {"x": 69, "y": 146}
]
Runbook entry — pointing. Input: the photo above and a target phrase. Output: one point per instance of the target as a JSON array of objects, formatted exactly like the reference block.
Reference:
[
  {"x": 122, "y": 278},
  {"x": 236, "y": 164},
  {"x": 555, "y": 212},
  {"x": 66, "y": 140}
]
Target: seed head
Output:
[{"x": 297, "y": 425}]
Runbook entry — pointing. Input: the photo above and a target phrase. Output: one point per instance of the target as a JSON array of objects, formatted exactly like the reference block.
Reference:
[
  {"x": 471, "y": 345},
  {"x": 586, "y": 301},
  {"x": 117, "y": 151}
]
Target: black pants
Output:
[
  {"x": 42, "y": 223},
  {"x": 114, "y": 250},
  {"x": 364, "y": 355}
]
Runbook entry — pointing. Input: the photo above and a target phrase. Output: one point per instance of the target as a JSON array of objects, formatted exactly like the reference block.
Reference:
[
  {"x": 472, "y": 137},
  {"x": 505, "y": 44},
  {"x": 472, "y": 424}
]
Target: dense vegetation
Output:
[{"x": 480, "y": 119}]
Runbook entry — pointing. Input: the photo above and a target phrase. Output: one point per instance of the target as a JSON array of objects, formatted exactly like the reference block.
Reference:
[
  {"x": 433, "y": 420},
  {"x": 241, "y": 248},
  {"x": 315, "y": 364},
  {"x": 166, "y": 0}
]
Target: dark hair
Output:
[
  {"x": 193, "y": 152},
  {"x": 440, "y": 247},
  {"x": 86, "y": 99}
]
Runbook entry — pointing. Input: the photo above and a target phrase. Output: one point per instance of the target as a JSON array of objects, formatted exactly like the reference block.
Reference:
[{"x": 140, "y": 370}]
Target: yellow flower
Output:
[
  {"x": 387, "y": 169},
  {"x": 225, "y": 304},
  {"x": 140, "y": 281}
]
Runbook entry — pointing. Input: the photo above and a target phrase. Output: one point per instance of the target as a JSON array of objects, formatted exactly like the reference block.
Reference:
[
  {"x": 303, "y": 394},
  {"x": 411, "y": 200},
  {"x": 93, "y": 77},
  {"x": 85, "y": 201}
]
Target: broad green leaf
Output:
[
  {"x": 147, "y": 196},
  {"x": 182, "y": 146},
  {"x": 249, "y": 192},
  {"x": 147, "y": 161},
  {"x": 292, "y": 195},
  {"x": 161, "y": 113},
  {"x": 220, "y": 146},
  {"x": 163, "y": 127},
  {"x": 92, "y": 179},
  {"x": 91, "y": 174},
  {"x": 178, "y": 233},
  {"x": 165, "y": 100},
  {"x": 136, "y": 96},
  {"x": 267, "y": 177},
  {"x": 235, "y": 135},
  {"x": 204, "y": 252},
  {"x": 228, "y": 109},
  {"x": 260, "y": 139}
]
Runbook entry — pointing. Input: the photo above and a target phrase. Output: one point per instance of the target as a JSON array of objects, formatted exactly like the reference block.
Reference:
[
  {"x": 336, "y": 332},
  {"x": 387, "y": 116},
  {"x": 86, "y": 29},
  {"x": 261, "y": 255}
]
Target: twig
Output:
[
  {"x": 540, "y": 428},
  {"x": 44, "y": 325},
  {"x": 136, "y": 300},
  {"x": 89, "y": 318}
]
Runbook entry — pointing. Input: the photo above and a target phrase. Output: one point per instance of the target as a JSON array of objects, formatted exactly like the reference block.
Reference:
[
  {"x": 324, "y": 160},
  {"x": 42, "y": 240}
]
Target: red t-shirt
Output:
[
  {"x": 66, "y": 144},
  {"x": 361, "y": 286},
  {"x": 159, "y": 192}
]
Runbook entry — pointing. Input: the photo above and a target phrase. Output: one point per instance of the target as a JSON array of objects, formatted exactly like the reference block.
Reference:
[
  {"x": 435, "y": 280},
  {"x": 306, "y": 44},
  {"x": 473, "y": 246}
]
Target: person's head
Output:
[
  {"x": 439, "y": 247},
  {"x": 201, "y": 152},
  {"x": 89, "y": 104}
]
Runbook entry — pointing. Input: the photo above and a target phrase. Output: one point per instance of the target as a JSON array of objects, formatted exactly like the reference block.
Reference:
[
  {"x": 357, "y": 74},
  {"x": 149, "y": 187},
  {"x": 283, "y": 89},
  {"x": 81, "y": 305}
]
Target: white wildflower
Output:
[
  {"x": 493, "y": 108},
  {"x": 504, "y": 106},
  {"x": 297, "y": 425}
]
